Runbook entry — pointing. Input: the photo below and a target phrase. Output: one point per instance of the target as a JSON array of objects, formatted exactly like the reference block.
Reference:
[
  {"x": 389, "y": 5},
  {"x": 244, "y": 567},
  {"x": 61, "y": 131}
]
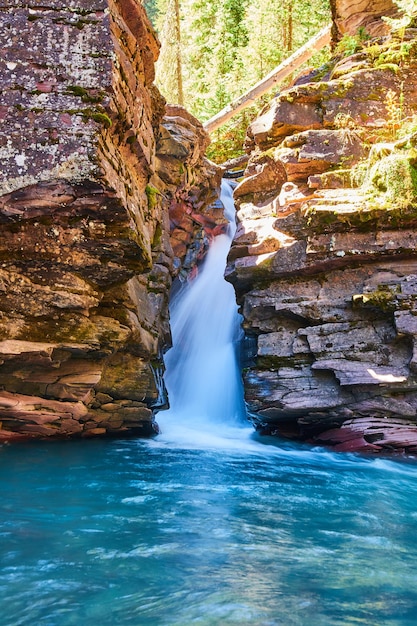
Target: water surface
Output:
[
  {"x": 205, "y": 525},
  {"x": 165, "y": 533}
]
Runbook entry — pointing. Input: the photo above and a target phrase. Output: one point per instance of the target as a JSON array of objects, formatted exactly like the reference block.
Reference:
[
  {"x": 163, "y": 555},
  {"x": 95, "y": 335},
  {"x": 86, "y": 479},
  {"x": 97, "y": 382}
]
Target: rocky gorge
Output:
[
  {"x": 324, "y": 261},
  {"x": 106, "y": 196}
]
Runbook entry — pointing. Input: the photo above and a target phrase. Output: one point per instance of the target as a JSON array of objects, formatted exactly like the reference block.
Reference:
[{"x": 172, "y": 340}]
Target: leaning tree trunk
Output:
[{"x": 285, "y": 69}]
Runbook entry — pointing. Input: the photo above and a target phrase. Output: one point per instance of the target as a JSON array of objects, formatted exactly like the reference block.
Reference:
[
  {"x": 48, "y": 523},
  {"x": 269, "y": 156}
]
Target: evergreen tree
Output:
[
  {"x": 219, "y": 48},
  {"x": 199, "y": 28},
  {"x": 151, "y": 7},
  {"x": 215, "y": 32}
]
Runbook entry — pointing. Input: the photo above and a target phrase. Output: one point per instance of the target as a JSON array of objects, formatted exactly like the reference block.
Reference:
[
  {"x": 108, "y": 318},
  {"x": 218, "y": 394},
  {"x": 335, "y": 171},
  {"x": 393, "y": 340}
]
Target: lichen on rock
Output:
[
  {"x": 86, "y": 257},
  {"x": 324, "y": 263}
]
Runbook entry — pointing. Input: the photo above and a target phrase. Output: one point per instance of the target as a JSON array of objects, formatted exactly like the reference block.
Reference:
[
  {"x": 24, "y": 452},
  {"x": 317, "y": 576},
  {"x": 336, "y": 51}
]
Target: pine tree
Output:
[
  {"x": 220, "y": 48},
  {"x": 151, "y": 7}
]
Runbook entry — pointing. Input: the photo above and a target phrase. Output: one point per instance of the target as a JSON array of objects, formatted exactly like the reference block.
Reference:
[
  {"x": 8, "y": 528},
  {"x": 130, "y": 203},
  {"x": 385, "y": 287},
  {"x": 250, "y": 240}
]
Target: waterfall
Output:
[{"x": 202, "y": 370}]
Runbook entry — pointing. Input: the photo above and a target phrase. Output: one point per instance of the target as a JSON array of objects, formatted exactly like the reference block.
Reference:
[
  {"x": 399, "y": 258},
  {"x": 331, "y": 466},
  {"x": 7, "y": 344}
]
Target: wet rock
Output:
[{"x": 190, "y": 184}]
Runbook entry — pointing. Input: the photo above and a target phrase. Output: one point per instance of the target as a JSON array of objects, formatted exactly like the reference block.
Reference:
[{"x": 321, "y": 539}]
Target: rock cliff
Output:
[
  {"x": 324, "y": 261},
  {"x": 349, "y": 17},
  {"x": 92, "y": 169}
]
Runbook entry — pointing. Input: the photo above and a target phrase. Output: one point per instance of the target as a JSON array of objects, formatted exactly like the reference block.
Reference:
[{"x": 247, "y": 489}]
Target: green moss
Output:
[
  {"x": 152, "y": 194},
  {"x": 397, "y": 54},
  {"x": 382, "y": 298},
  {"x": 392, "y": 182},
  {"x": 76, "y": 90},
  {"x": 84, "y": 94},
  {"x": 323, "y": 71},
  {"x": 389, "y": 66},
  {"x": 358, "y": 173},
  {"x": 373, "y": 51},
  {"x": 157, "y": 236},
  {"x": 100, "y": 118}
]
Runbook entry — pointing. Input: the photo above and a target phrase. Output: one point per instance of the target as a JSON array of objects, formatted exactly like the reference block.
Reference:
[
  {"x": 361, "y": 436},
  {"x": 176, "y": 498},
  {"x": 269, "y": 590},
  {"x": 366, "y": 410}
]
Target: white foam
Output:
[{"x": 202, "y": 372}]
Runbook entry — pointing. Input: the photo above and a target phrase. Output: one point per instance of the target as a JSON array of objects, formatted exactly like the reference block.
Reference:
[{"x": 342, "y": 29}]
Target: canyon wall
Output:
[
  {"x": 94, "y": 174},
  {"x": 352, "y": 18},
  {"x": 324, "y": 261}
]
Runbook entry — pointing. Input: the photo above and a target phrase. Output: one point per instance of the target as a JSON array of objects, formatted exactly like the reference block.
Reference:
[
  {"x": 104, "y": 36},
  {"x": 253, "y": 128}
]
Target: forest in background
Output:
[{"x": 212, "y": 51}]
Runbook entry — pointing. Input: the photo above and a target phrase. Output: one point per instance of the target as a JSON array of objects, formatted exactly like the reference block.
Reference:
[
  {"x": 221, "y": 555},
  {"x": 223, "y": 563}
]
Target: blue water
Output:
[
  {"x": 205, "y": 525},
  {"x": 228, "y": 531}
]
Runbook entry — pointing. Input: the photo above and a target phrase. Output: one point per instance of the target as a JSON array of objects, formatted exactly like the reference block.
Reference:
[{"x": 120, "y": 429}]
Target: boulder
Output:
[{"x": 349, "y": 17}]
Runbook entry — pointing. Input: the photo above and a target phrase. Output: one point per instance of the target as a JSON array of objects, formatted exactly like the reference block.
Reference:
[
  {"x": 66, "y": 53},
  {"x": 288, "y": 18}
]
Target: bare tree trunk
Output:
[
  {"x": 178, "y": 59},
  {"x": 289, "y": 26}
]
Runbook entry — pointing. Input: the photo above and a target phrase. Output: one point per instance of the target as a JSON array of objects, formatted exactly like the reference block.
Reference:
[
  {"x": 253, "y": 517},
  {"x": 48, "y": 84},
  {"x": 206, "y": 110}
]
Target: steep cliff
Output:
[
  {"x": 90, "y": 169},
  {"x": 324, "y": 261}
]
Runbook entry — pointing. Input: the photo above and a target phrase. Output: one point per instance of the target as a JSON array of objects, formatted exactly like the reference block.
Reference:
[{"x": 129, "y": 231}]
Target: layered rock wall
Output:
[
  {"x": 353, "y": 18},
  {"x": 324, "y": 260},
  {"x": 86, "y": 259},
  {"x": 191, "y": 188}
]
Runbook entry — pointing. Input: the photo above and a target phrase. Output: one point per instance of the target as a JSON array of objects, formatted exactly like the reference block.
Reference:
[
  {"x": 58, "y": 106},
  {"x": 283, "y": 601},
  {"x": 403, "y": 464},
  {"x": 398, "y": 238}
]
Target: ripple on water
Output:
[{"x": 133, "y": 533}]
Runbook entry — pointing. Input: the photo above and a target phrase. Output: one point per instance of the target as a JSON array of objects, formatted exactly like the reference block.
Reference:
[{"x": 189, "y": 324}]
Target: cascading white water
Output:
[{"x": 202, "y": 372}]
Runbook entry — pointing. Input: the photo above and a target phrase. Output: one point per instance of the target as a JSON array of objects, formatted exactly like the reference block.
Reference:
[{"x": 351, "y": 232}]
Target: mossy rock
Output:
[
  {"x": 392, "y": 182},
  {"x": 383, "y": 299}
]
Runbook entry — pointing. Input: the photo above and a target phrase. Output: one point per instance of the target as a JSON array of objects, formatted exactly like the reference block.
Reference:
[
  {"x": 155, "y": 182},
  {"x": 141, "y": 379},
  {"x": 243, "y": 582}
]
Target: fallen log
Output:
[{"x": 276, "y": 76}]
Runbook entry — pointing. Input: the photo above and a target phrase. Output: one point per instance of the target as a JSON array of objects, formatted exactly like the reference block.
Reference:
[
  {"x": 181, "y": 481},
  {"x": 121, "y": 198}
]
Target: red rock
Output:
[
  {"x": 45, "y": 87},
  {"x": 329, "y": 301},
  {"x": 349, "y": 18},
  {"x": 84, "y": 202}
]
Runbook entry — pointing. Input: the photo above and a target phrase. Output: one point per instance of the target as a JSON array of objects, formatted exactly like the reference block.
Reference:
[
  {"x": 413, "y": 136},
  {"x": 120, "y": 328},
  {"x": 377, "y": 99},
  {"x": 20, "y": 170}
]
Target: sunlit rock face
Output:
[
  {"x": 86, "y": 258},
  {"x": 349, "y": 17},
  {"x": 324, "y": 262}
]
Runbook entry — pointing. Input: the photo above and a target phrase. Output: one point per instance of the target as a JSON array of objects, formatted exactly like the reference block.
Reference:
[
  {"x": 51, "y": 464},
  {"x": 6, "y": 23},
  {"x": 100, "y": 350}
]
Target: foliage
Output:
[
  {"x": 169, "y": 73},
  {"x": 226, "y": 47},
  {"x": 349, "y": 44},
  {"x": 151, "y": 9},
  {"x": 408, "y": 15},
  {"x": 227, "y": 141}
]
